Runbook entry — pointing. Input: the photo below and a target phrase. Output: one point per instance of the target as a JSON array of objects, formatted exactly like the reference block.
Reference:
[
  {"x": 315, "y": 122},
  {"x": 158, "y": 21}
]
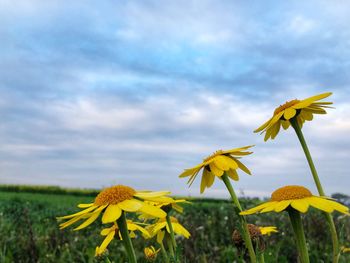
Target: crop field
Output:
[{"x": 29, "y": 232}]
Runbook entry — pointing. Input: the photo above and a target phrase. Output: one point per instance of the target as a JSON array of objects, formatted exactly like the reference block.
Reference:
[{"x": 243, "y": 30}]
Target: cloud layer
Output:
[{"x": 135, "y": 92}]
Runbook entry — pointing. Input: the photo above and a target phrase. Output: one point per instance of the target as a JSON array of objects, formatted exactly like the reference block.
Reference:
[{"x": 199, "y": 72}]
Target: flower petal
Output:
[
  {"x": 320, "y": 204},
  {"x": 289, "y": 113},
  {"x": 79, "y": 213},
  {"x": 210, "y": 177},
  {"x": 91, "y": 219},
  {"x": 282, "y": 205},
  {"x": 301, "y": 205},
  {"x": 105, "y": 243},
  {"x": 233, "y": 174},
  {"x": 152, "y": 210},
  {"x": 203, "y": 182},
  {"x": 215, "y": 170},
  {"x": 243, "y": 167},
  {"x": 111, "y": 214},
  {"x": 131, "y": 205}
]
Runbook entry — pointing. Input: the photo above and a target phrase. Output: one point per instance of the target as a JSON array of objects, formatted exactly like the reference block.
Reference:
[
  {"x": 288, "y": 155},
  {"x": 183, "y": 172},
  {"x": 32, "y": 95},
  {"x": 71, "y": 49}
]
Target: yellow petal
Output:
[
  {"x": 255, "y": 209},
  {"x": 71, "y": 221},
  {"x": 221, "y": 163},
  {"x": 275, "y": 119},
  {"x": 203, "y": 182},
  {"x": 131, "y": 205},
  {"x": 243, "y": 167},
  {"x": 233, "y": 174},
  {"x": 106, "y": 231},
  {"x": 269, "y": 208},
  {"x": 319, "y": 97},
  {"x": 301, "y": 205},
  {"x": 289, "y": 113},
  {"x": 267, "y": 134},
  {"x": 180, "y": 230},
  {"x": 106, "y": 242},
  {"x": 231, "y": 162},
  {"x": 320, "y": 204},
  {"x": 216, "y": 171},
  {"x": 152, "y": 210},
  {"x": 264, "y": 125},
  {"x": 149, "y": 194},
  {"x": 237, "y": 149},
  {"x": 285, "y": 124},
  {"x": 306, "y": 115},
  {"x": 210, "y": 177},
  {"x": 275, "y": 129},
  {"x": 282, "y": 205},
  {"x": 189, "y": 172},
  {"x": 339, "y": 207},
  {"x": 111, "y": 214},
  {"x": 79, "y": 213},
  {"x": 160, "y": 237},
  {"x": 85, "y": 205},
  {"x": 91, "y": 219}
]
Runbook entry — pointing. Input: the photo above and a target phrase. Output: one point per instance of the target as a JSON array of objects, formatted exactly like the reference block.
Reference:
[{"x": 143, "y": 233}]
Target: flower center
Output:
[
  {"x": 290, "y": 192},
  {"x": 285, "y": 106},
  {"x": 219, "y": 152},
  {"x": 114, "y": 195}
]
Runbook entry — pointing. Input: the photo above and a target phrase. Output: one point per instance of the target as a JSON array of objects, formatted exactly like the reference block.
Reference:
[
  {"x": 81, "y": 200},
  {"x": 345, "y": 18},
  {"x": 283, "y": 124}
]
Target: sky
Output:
[{"x": 133, "y": 92}]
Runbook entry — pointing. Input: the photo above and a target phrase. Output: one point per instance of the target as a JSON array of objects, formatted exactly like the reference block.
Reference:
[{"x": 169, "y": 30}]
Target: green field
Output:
[{"x": 29, "y": 231}]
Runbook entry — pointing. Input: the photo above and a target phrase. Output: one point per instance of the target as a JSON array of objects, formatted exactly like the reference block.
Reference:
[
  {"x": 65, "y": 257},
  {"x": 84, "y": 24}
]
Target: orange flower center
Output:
[
  {"x": 290, "y": 192},
  {"x": 114, "y": 195},
  {"x": 210, "y": 157},
  {"x": 286, "y": 105}
]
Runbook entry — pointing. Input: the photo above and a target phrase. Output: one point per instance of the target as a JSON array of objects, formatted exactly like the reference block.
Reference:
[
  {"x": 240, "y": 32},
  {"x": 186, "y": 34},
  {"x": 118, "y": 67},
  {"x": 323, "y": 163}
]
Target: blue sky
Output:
[{"x": 133, "y": 92}]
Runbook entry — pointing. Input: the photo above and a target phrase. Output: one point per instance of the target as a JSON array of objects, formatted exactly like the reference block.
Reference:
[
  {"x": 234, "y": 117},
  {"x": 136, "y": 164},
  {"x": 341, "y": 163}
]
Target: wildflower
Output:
[
  {"x": 299, "y": 198},
  {"x": 302, "y": 110},
  {"x": 151, "y": 253},
  {"x": 345, "y": 249},
  {"x": 110, "y": 232},
  {"x": 268, "y": 230},
  {"x": 217, "y": 164},
  {"x": 255, "y": 235},
  {"x": 161, "y": 227},
  {"x": 113, "y": 201}
]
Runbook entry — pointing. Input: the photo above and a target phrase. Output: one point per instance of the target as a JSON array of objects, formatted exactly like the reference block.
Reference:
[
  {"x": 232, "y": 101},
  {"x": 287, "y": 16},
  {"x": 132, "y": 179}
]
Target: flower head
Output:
[
  {"x": 113, "y": 201},
  {"x": 151, "y": 253},
  {"x": 298, "y": 198},
  {"x": 110, "y": 232},
  {"x": 255, "y": 235},
  {"x": 216, "y": 165},
  {"x": 268, "y": 230},
  {"x": 302, "y": 110},
  {"x": 160, "y": 227}
]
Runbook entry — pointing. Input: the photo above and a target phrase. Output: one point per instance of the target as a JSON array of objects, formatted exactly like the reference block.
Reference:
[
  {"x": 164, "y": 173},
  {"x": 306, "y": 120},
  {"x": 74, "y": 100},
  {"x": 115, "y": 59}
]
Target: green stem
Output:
[
  {"x": 261, "y": 258},
  {"x": 336, "y": 249},
  {"x": 122, "y": 225},
  {"x": 165, "y": 256},
  {"x": 244, "y": 226},
  {"x": 170, "y": 225},
  {"x": 298, "y": 229},
  {"x": 170, "y": 245}
]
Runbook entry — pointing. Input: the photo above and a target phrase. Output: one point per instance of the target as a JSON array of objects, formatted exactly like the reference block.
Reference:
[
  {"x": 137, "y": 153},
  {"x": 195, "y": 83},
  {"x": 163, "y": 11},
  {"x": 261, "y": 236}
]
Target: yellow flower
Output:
[
  {"x": 113, "y": 201},
  {"x": 151, "y": 253},
  {"x": 216, "y": 164},
  {"x": 161, "y": 226},
  {"x": 268, "y": 230},
  {"x": 299, "y": 198},
  {"x": 345, "y": 249},
  {"x": 110, "y": 232},
  {"x": 302, "y": 110}
]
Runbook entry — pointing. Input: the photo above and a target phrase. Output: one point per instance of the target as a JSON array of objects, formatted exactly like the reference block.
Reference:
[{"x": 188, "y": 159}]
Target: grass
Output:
[{"x": 29, "y": 231}]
